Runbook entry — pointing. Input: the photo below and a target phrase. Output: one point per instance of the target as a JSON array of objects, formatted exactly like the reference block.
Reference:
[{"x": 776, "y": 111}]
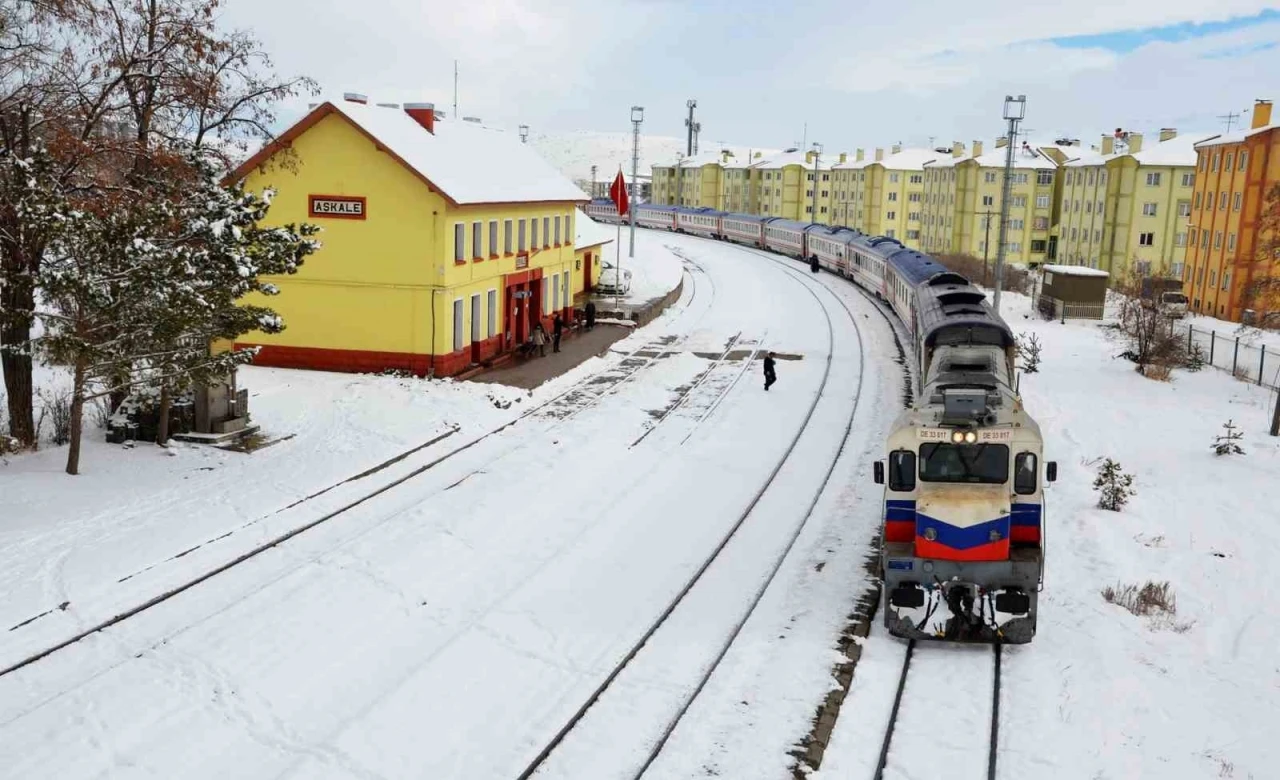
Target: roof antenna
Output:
[
  {"x": 1230, "y": 119},
  {"x": 455, "y": 89}
]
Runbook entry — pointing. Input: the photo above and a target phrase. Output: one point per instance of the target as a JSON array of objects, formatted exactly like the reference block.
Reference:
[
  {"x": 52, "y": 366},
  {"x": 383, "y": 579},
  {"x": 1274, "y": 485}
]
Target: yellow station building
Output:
[{"x": 443, "y": 241}]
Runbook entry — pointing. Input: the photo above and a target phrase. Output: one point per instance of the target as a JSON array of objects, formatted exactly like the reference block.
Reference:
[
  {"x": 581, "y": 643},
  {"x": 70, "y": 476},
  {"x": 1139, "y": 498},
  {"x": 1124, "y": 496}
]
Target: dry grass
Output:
[
  {"x": 970, "y": 267},
  {"x": 1150, "y": 600},
  {"x": 1160, "y": 372}
]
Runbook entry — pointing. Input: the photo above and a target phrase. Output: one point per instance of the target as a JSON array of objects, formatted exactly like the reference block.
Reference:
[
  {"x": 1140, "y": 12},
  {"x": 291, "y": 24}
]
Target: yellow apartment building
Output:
[
  {"x": 783, "y": 186},
  {"x": 1130, "y": 201},
  {"x": 883, "y": 195},
  {"x": 429, "y": 262},
  {"x": 962, "y": 201}
]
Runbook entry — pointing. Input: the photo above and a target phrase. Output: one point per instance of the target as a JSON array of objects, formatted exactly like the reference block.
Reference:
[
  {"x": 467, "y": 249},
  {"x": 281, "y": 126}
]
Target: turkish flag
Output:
[{"x": 618, "y": 194}]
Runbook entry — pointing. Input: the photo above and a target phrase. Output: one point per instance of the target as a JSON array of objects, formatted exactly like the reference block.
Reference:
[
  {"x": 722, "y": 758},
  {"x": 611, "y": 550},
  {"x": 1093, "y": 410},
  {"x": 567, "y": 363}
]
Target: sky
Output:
[{"x": 848, "y": 75}]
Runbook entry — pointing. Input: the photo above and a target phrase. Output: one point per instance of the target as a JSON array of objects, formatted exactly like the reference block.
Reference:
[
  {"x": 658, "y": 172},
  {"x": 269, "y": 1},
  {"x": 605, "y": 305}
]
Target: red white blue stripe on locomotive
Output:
[{"x": 987, "y": 540}]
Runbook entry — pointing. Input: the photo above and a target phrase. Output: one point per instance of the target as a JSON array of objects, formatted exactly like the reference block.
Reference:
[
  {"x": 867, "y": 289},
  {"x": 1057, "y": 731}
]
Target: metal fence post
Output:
[
  {"x": 1213, "y": 341},
  {"x": 1262, "y": 363},
  {"x": 1235, "y": 357},
  {"x": 1190, "y": 329}
]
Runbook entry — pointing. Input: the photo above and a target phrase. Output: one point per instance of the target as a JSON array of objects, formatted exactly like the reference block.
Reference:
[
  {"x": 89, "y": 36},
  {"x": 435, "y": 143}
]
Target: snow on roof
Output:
[
  {"x": 1074, "y": 270},
  {"x": 797, "y": 157},
  {"x": 1035, "y": 159},
  {"x": 1234, "y": 138},
  {"x": 589, "y": 232},
  {"x": 909, "y": 159},
  {"x": 468, "y": 162},
  {"x": 1179, "y": 150}
]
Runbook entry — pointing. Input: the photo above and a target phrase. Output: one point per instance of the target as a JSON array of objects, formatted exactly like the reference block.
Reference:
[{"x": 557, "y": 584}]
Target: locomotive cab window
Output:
[
  {"x": 902, "y": 471},
  {"x": 1024, "y": 473},
  {"x": 966, "y": 463}
]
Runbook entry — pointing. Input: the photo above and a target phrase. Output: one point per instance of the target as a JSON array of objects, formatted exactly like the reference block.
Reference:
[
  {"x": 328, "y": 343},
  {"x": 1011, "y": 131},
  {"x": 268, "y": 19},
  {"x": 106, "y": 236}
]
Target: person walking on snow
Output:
[
  {"x": 540, "y": 339},
  {"x": 813, "y": 263},
  {"x": 591, "y": 315},
  {"x": 770, "y": 375},
  {"x": 557, "y": 330}
]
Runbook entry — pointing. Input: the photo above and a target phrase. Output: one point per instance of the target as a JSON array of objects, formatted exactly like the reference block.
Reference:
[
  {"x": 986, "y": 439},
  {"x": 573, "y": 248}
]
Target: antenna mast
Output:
[
  {"x": 1230, "y": 119},
  {"x": 455, "y": 90}
]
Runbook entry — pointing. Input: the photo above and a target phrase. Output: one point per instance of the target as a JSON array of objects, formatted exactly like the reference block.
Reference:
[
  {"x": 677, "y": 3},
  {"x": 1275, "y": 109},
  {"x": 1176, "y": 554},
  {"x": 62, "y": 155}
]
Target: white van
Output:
[{"x": 1174, "y": 304}]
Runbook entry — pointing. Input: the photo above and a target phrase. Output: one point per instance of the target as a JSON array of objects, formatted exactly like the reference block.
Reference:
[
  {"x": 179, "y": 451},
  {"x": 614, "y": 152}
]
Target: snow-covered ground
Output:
[
  {"x": 449, "y": 626},
  {"x": 1102, "y": 693},
  {"x": 649, "y": 280}
]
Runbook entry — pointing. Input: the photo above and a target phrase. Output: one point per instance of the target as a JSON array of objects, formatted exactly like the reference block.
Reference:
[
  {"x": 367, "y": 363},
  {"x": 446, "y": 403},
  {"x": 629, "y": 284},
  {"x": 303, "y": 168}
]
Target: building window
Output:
[
  {"x": 1019, "y": 201},
  {"x": 916, "y": 178},
  {"x": 1214, "y": 167},
  {"x": 1102, "y": 177},
  {"x": 808, "y": 209},
  {"x": 1075, "y": 232},
  {"x": 1153, "y": 179},
  {"x": 557, "y": 241},
  {"x": 1148, "y": 209},
  {"x": 459, "y": 242},
  {"x": 1044, "y": 177},
  {"x": 1226, "y": 280},
  {"x": 1235, "y": 202},
  {"x": 477, "y": 240},
  {"x": 1244, "y": 157},
  {"x": 1193, "y": 237},
  {"x": 1197, "y": 199},
  {"x": 493, "y": 313},
  {"x": 1217, "y": 239},
  {"x": 1231, "y": 242},
  {"x": 889, "y": 234},
  {"x": 1204, "y": 160},
  {"x": 1189, "y": 179},
  {"x": 1038, "y": 247},
  {"x": 893, "y": 197},
  {"x": 1226, "y": 164},
  {"x": 1070, "y": 177},
  {"x": 1213, "y": 278},
  {"x": 1097, "y": 236},
  {"x": 1019, "y": 178},
  {"x": 893, "y": 178},
  {"x": 891, "y": 215},
  {"x": 1040, "y": 223},
  {"x": 1180, "y": 239},
  {"x": 914, "y": 197},
  {"x": 1146, "y": 239},
  {"x": 990, "y": 177},
  {"x": 1015, "y": 224},
  {"x": 1090, "y": 178},
  {"x": 1042, "y": 201},
  {"x": 1222, "y": 205},
  {"x": 533, "y": 233},
  {"x": 988, "y": 200},
  {"x": 1184, "y": 208},
  {"x": 546, "y": 232},
  {"x": 1204, "y": 239},
  {"x": 913, "y": 216},
  {"x": 1015, "y": 246},
  {"x": 520, "y": 246},
  {"x": 493, "y": 237},
  {"x": 506, "y": 236}
]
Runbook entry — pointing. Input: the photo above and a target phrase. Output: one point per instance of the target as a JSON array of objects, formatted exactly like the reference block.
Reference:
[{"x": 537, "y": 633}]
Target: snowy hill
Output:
[{"x": 575, "y": 153}]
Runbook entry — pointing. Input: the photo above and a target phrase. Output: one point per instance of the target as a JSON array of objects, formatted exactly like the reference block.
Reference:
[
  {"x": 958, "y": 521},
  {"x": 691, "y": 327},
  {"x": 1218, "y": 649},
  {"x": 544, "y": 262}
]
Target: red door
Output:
[{"x": 586, "y": 272}]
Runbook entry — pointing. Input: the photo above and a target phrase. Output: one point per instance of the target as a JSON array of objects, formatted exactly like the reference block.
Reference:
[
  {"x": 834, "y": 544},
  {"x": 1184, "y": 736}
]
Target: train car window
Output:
[
  {"x": 902, "y": 471},
  {"x": 986, "y": 464},
  {"x": 1024, "y": 473}
]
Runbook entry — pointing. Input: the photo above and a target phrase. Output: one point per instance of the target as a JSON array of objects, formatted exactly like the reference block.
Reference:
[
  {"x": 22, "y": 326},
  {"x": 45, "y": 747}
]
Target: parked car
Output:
[
  {"x": 1174, "y": 304},
  {"x": 609, "y": 281}
]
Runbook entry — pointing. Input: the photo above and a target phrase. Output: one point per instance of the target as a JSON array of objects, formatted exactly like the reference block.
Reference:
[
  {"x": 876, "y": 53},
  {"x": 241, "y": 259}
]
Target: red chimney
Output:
[
  {"x": 424, "y": 114},
  {"x": 355, "y": 97}
]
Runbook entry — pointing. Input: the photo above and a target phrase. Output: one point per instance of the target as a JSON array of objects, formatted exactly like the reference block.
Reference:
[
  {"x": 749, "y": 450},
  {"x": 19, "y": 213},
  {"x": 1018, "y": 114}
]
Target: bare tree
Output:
[
  {"x": 1262, "y": 292},
  {"x": 1148, "y": 330}
]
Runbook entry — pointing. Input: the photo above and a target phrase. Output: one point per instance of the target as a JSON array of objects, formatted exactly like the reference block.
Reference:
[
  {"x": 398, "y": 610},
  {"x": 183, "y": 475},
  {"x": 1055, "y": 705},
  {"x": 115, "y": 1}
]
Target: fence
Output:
[
  {"x": 1058, "y": 309},
  {"x": 1245, "y": 361}
]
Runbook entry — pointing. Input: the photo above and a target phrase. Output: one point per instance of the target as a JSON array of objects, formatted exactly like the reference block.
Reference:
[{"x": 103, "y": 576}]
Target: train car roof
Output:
[
  {"x": 788, "y": 223},
  {"x": 657, "y": 207},
  {"x": 703, "y": 210},
  {"x": 916, "y": 268},
  {"x": 746, "y": 217},
  {"x": 957, "y": 314}
]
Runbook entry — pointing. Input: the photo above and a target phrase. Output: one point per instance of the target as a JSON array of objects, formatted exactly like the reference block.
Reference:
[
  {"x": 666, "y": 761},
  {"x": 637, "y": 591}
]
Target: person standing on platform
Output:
[
  {"x": 591, "y": 315},
  {"x": 770, "y": 374},
  {"x": 540, "y": 339},
  {"x": 557, "y": 330}
]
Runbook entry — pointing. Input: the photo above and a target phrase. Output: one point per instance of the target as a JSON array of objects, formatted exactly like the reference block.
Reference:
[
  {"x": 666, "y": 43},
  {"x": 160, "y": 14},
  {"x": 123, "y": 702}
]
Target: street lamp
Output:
[
  {"x": 1015, "y": 109},
  {"x": 637, "y": 116},
  {"x": 524, "y": 134}
]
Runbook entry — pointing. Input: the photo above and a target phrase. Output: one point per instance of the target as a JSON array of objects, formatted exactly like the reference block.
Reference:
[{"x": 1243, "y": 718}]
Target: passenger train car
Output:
[{"x": 962, "y": 544}]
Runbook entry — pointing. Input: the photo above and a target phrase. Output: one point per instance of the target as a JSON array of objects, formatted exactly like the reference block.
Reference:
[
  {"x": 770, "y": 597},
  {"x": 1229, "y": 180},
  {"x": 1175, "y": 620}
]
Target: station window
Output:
[
  {"x": 506, "y": 237},
  {"x": 493, "y": 237},
  {"x": 521, "y": 244},
  {"x": 459, "y": 242},
  {"x": 477, "y": 240},
  {"x": 546, "y": 232},
  {"x": 533, "y": 233},
  {"x": 557, "y": 241}
]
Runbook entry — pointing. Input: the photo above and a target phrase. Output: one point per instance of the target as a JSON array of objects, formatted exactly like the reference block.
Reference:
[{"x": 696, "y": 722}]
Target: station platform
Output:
[{"x": 576, "y": 347}]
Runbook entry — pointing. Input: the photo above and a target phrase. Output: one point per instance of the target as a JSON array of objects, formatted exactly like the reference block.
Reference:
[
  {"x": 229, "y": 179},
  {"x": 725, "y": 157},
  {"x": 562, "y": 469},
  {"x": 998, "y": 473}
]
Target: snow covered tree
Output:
[
  {"x": 1227, "y": 443},
  {"x": 1029, "y": 350},
  {"x": 1113, "y": 485},
  {"x": 1148, "y": 331}
]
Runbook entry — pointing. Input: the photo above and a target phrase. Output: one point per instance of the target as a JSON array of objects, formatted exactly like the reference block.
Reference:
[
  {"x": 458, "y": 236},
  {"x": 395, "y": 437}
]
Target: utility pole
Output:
[
  {"x": 637, "y": 116},
  {"x": 1014, "y": 111},
  {"x": 986, "y": 248},
  {"x": 689, "y": 127},
  {"x": 817, "y": 155},
  {"x": 455, "y": 91},
  {"x": 1275, "y": 416},
  {"x": 524, "y": 134},
  {"x": 593, "y": 182},
  {"x": 679, "y": 179}
]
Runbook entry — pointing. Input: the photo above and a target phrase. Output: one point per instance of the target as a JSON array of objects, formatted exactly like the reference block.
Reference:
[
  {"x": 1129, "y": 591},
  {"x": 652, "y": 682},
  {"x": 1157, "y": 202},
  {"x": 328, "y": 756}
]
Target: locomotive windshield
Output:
[{"x": 969, "y": 463}]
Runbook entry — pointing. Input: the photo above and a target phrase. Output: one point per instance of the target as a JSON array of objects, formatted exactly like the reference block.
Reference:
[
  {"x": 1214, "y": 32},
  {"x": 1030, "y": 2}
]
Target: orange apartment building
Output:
[{"x": 1234, "y": 172}]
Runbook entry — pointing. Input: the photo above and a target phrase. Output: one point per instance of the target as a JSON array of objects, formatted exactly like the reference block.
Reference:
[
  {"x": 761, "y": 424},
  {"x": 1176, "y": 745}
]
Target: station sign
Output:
[
  {"x": 985, "y": 435},
  {"x": 337, "y": 206},
  {"x": 522, "y": 261}
]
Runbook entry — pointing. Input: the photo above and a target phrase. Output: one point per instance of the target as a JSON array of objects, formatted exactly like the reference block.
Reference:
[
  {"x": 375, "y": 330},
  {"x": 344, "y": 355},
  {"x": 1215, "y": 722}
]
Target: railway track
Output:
[
  {"x": 540, "y": 760},
  {"x": 954, "y": 670},
  {"x": 559, "y": 409}
]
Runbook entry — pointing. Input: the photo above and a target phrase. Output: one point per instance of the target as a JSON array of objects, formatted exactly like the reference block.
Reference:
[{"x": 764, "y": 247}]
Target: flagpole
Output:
[{"x": 617, "y": 278}]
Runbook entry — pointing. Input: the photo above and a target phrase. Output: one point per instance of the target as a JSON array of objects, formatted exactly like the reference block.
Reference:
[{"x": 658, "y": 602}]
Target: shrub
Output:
[
  {"x": 1226, "y": 444},
  {"x": 1151, "y": 599},
  {"x": 1029, "y": 350},
  {"x": 1195, "y": 358},
  {"x": 1113, "y": 485}
]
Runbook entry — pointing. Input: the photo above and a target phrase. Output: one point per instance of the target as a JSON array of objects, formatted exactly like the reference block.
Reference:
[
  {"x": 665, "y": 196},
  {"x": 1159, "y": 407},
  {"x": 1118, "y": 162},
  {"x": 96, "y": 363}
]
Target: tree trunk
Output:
[
  {"x": 162, "y": 427},
  {"x": 16, "y": 333},
  {"x": 77, "y": 414},
  {"x": 1275, "y": 417}
]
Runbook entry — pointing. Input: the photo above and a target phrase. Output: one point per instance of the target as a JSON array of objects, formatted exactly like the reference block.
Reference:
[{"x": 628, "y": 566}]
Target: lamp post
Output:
[
  {"x": 593, "y": 182},
  {"x": 1014, "y": 111},
  {"x": 817, "y": 155},
  {"x": 637, "y": 116},
  {"x": 524, "y": 134}
]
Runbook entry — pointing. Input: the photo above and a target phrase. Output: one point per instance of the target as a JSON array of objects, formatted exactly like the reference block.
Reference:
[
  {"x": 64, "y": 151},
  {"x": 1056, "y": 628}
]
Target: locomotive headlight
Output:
[
  {"x": 930, "y": 534},
  {"x": 957, "y": 436},
  {"x": 970, "y": 437},
  {"x": 994, "y": 536}
]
